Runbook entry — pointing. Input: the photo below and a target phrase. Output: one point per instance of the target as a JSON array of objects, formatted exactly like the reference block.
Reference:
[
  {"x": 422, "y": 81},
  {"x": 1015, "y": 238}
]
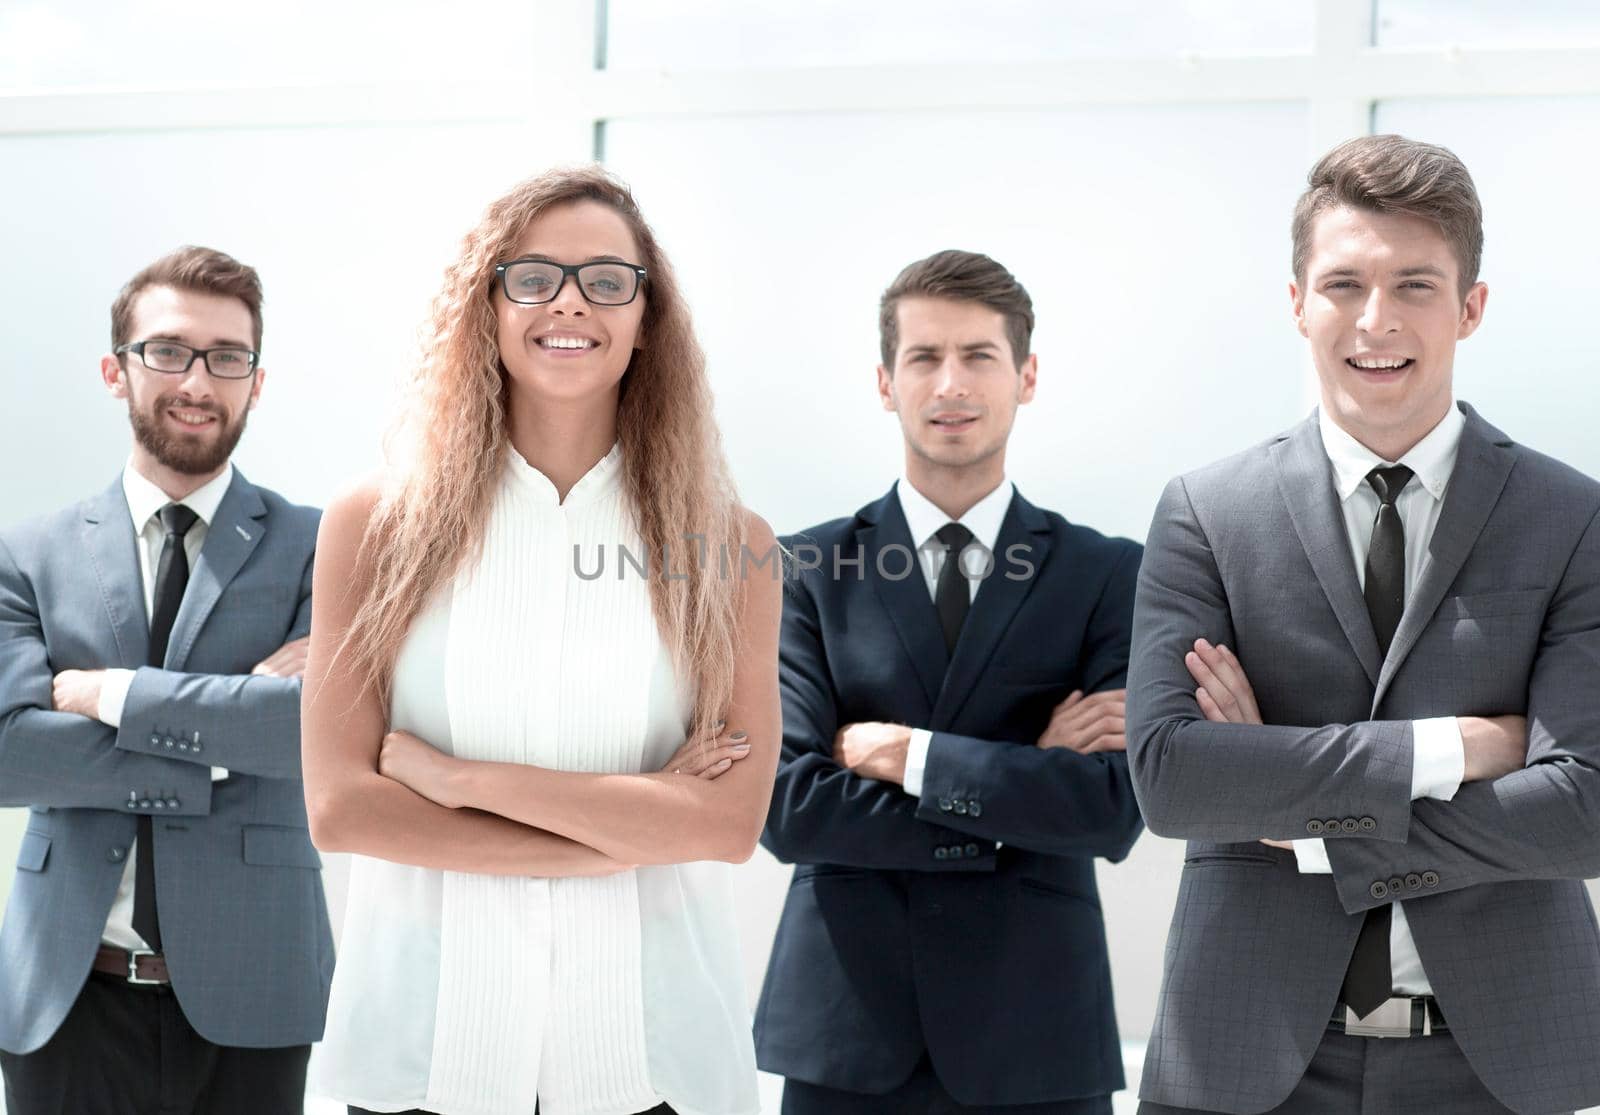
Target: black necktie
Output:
[
  {"x": 952, "y": 596},
  {"x": 172, "y": 577},
  {"x": 1369, "y": 980}
]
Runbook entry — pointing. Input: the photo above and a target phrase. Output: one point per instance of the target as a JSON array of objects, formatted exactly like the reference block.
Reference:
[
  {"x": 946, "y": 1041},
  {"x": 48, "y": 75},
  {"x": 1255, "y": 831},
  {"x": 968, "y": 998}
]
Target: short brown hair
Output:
[
  {"x": 201, "y": 270},
  {"x": 960, "y": 277},
  {"x": 1393, "y": 174}
]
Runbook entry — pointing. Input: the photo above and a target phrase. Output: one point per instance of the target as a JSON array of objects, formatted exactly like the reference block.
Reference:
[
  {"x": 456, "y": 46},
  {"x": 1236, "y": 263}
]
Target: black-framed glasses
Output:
[
  {"x": 224, "y": 361},
  {"x": 531, "y": 282}
]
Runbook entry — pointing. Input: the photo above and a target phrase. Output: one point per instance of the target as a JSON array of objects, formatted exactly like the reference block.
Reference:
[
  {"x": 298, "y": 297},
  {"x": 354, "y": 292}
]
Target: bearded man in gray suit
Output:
[
  {"x": 166, "y": 944},
  {"x": 1364, "y": 688}
]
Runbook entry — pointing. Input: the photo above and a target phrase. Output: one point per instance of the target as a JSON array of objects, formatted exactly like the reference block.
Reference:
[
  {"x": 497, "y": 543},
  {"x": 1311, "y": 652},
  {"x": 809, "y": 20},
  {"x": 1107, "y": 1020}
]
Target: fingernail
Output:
[
  {"x": 719, "y": 725},
  {"x": 738, "y": 736},
  {"x": 741, "y": 747},
  {"x": 725, "y": 764}
]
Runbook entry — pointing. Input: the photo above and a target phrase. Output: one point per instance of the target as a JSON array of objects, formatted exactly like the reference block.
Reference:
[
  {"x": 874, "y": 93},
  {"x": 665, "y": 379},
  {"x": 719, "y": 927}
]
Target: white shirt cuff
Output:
[
  {"x": 1438, "y": 758},
  {"x": 113, "y": 695},
  {"x": 218, "y": 773},
  {"x": 916, "y": 760},
  {"x": 1312, "y": 857}
]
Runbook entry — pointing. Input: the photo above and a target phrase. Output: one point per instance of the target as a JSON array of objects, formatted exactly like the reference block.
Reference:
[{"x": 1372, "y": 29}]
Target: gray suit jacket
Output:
[
  {"x": 1504, "y": 618},
  {"x": 243, "y": 918}
]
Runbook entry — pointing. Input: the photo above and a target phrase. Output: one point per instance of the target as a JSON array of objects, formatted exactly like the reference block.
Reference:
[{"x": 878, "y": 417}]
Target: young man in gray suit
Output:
[
  {"x": 1364, "y": 689},
  {"x": 166, "y": 944}
]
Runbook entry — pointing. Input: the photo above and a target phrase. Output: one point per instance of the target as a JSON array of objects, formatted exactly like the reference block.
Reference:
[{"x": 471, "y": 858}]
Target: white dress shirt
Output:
[
  {"x": 983, "y": 519},
  {"x": 1438, "y": 759},
  {"x": 145, "y": 502}
]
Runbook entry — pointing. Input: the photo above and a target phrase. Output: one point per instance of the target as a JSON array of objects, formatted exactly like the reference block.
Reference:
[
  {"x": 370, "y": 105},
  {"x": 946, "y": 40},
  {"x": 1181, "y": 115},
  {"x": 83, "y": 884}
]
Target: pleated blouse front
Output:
[{"x": 471, "y": 994}]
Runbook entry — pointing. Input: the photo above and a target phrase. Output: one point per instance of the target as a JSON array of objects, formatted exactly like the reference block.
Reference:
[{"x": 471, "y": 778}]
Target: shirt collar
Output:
[
  {"x": 1432, "y": 459},
  {"x": 145, "y": 499},
  {"x": 983, "y": 518}
]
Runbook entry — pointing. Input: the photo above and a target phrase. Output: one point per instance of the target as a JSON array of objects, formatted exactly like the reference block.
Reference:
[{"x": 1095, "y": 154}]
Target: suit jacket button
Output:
[
  {"x": 974, "y": 809},
  {"x": 1314, "y": 828},
  {"x": 1380, "y": 889},
  {"x": 1413, "y": 881},
  {"x": 944, "y": 805},
  {"x": 1350, "y": 824},
  {"x": 1330, "y": 826},
  {"x": 196, "y": 746},
  {"x": 155, "y": 741},
  {"x": 115, "y": 855},
  {"x": 1396, "y": 885},
  {"x": 182, "y": 746},
  {"x": 172, "y": 803},
  {"x": 972, "y": 851},
  {"x": 1430, "y": 878},
  {"x": 941, "y": 852},
  {"x": 959, "y": 809},
  {"x": 1368, "y": 825},
  {"x": 144, "y": 803}
]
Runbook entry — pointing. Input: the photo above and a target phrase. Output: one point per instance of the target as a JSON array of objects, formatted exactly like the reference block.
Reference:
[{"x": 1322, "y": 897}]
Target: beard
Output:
[{"x": 187, "y": 454}]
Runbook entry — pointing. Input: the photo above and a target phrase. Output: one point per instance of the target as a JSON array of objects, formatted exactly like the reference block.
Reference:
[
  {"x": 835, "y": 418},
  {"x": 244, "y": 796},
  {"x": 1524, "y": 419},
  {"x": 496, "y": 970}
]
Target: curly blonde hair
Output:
[{"x": 431, "y": 515}]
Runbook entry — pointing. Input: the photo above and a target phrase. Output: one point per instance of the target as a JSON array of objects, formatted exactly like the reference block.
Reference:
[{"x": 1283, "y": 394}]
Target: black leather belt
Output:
[{"x": 1403, "y": 1016}]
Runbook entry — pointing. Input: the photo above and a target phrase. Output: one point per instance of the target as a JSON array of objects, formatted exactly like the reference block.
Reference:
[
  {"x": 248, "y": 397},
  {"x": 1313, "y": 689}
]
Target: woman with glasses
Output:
[{"x": 541, "y": 702}]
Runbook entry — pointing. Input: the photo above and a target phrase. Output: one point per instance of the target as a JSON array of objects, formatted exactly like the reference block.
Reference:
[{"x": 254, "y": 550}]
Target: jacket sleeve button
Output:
[
  {"x": 941, "y": 852},
  {"x": 974, "y": 809},
  {"x": 1368, "y": 824},
  {"x": 1350, "y": 825},
  {"x": 1314, "y": 828},
  {"x": 1430, "y": 878},
  {"x": 1380, "y": 889},
  {"x": 1413, "y": 881}
]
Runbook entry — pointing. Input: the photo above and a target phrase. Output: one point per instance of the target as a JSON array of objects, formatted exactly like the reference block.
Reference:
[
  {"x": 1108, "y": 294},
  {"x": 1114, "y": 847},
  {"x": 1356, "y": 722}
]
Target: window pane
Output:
[
  {"x": 1411, "y": 24},
  {"x": 167, "y": 43},
  {"x": 1533, "y": 367},
  {"x": 751, "y": 33}
]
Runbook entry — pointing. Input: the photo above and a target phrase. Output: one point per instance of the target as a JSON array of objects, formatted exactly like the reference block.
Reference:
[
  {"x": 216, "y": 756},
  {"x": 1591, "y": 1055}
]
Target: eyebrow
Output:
[
  {"x": 541, "y": 257},
  {"x": 223, "y": 342},
  {"x": 1427, "y": 269},
  {"x": 973, "y": 346}
]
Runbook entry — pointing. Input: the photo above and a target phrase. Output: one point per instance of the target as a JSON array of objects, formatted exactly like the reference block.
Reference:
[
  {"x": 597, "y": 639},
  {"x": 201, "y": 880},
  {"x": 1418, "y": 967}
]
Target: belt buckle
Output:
[
  {"x": 1392, "y": 1019},
  {"x": 133, "y": 968}
]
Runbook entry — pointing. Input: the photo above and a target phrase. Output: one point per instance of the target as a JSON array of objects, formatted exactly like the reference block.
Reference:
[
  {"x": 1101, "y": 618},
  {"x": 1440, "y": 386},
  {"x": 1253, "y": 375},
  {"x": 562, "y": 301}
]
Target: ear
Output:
[
  {"x": 255, "y": 389},
  {"x": 1297, "y": 302},
  {"x": 1027, "y": 378},
  {"x": 114, "y": 375},
  {"x": 1472, "y": 311},
  {"x": 886, "y": 389}
]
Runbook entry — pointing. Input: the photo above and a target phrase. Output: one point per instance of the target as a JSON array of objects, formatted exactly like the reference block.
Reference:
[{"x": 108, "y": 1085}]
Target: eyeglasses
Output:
[
  {"x": 224, "y": 362},
  {"x": 531, "y": 282}
]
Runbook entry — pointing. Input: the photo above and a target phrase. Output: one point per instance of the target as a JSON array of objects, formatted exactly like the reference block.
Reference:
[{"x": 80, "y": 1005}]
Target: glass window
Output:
[
  {"x": 1419, "y": 24},
  {"x": 754, "y": 33},
  {"x": 1533, "y": 366}
]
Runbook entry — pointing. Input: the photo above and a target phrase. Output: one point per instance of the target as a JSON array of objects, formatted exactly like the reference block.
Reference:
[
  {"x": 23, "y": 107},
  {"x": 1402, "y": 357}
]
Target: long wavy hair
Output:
[{"x": 448, "y": 448}]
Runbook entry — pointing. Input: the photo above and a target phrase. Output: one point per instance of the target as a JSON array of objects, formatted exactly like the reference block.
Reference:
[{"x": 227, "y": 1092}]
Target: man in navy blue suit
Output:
[{"x": 951, "y": 666}]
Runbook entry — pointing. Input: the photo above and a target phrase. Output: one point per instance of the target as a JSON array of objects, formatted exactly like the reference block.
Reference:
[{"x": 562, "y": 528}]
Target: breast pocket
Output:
[{"x": 1479, "y": 607}]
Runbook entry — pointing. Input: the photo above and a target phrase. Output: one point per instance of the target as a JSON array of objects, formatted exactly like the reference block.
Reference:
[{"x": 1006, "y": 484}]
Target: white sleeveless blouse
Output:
[{"x": 470, "y": 994}]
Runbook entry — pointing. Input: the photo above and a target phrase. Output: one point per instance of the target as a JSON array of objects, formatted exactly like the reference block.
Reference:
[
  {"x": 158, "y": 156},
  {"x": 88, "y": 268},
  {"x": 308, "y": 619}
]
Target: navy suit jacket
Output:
[{"x": 965, "y": 922}]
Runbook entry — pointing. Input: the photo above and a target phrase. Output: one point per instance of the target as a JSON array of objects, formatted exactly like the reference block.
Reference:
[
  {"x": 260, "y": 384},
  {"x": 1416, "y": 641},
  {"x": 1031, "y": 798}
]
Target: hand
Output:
[
  {"x": 77, "y": 691},
  {"x": 288, "y": 661},
  {"x": 1492, "y": 746},
  {"x": 1286, "y": 845},
  {"x": 1224, "y": 694},
  {"x": 709, "y": 759},
  {"x": 874, "y": 750},
  {"x": 1087, "y": 724},
  {"x": 417, "y": 764}
]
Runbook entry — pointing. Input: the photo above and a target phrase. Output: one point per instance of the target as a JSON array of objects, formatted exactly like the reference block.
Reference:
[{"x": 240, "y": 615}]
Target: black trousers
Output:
[
  {"x": 128, "y": 1050},
  {"x": 658, "y": 1109},
  {"x": 920, "y": 1095}
]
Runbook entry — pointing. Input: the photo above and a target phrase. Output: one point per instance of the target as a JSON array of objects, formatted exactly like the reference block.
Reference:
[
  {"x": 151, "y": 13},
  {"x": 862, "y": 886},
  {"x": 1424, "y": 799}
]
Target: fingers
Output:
[
  {"x": 1218, "y": 671},
  {"x": 1072, "y": 699},
  {"x": 288, "y": 660},
  {"x": 1117, "y": 742},
  {"x": 1284, "y": 844},
  {"x": 706, "y": 758}
]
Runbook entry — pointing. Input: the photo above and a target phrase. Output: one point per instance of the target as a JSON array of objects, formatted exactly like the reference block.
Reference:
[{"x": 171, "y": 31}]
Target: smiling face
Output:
[
  {"x": 1382, "y": 308},
  {"x": 569, "y": 350},
  {"x": 955, "y": 384},
  {"x": 185, "y": 424}
]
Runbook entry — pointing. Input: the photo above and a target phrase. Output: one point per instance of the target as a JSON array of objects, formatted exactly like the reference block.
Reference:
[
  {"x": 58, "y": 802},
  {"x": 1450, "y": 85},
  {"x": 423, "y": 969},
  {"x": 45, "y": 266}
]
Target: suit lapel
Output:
[
  {"x": 231, "y": 538},
  {"x": 1305, "y": 481},
  {"x": 905, "y": 597},
  {"x": 993, "y": 609},
  {"x": 113, "y": 552},
  {"x": 1483, "y": 462}
]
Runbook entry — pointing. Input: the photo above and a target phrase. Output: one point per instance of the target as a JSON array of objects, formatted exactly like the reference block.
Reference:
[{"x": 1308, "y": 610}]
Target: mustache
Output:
[{"x": 166, "y": 402}]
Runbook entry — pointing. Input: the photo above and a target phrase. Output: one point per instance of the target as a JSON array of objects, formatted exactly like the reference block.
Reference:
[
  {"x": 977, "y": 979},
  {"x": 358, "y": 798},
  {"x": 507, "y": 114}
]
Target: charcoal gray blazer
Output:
[
  {"x": 243, "y": 918},
  {"x": 1504, "y": 618}
]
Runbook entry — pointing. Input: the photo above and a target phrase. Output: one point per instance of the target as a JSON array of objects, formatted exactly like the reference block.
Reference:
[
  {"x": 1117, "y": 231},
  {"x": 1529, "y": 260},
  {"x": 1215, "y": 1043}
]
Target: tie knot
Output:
[
  {"x": 1389, "y": 482},
  {"x": 177, "y": 519},
  {"x": 954, "y": 535}
]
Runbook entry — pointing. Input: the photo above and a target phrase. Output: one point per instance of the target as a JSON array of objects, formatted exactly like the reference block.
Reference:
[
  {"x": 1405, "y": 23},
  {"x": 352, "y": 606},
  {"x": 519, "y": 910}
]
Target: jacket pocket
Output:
[
  {"x": 1205, "y": 859},
  {"x": 34, "y": 851},
  {"x": 277, "y": 846},
  {"x": 1483, "y": 605}
]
